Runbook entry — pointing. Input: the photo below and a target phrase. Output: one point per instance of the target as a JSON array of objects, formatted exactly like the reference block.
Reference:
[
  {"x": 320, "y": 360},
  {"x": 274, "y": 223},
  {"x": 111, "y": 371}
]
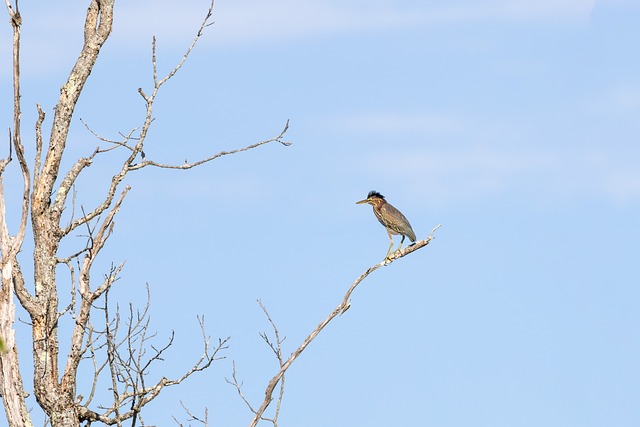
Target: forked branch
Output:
[
  {"x": 276, "y": 348},
  {"x": 340, "y": 309},
  {"x": 193, "y": 418},
  {"x": 134, "y": 144},
  {"x": 128, "y": 361},
  {"x": 187, "y": 165}
]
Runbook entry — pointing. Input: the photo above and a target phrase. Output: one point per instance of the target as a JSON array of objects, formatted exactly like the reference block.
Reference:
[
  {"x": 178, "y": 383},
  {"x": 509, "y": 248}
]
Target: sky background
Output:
[{"x": 513, "y": 123}]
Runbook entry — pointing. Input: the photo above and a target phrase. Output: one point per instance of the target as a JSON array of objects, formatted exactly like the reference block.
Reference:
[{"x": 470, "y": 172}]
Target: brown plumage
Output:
[{"x": 392, "y": 219}]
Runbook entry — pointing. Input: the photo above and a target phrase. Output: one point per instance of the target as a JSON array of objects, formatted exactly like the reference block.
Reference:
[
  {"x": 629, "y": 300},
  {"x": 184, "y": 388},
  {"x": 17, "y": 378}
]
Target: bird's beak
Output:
[{"x": 362, "y": 201}]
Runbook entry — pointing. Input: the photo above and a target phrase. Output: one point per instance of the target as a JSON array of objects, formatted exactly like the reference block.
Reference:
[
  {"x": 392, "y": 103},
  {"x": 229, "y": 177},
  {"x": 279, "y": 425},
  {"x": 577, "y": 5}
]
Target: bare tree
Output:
[
  {"x": 45, "y": 195},
  {"x": 118, "y": 350}
]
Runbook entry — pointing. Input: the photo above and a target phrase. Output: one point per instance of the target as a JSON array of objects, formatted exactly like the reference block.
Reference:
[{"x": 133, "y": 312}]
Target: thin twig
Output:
[
  {"x": 238, "y": 386},
  {"x": 277, "y": 350}
]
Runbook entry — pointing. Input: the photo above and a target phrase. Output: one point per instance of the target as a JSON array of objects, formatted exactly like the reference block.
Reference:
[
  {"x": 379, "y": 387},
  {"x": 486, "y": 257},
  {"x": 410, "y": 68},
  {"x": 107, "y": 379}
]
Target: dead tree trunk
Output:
[{"x": 46, "y": 188}]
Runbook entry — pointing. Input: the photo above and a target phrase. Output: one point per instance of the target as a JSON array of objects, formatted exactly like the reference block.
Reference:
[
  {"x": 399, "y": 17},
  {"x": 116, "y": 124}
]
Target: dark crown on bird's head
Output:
[{"x": 374, "y": 194}]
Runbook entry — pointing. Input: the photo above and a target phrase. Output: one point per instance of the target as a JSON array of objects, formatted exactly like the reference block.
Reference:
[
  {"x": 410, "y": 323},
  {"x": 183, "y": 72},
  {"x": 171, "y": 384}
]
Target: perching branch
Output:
[{"x": 341, "y": 308}]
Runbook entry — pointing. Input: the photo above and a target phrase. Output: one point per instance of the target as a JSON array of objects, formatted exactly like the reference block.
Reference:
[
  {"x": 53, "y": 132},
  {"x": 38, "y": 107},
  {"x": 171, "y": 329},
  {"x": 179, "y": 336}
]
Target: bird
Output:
[{"x": 390, "y": 217}]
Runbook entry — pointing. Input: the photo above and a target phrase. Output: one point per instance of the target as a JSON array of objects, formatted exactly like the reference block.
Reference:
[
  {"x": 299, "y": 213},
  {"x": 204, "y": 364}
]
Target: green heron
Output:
[{"x": 390, "y": 217}]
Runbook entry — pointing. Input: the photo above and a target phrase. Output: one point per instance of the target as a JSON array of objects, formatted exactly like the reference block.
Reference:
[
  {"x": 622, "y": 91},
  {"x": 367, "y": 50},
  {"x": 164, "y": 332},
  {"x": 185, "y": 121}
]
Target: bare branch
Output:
[
  {"x": 238, "y": 386},
  {"x": 72, "y": 279},
  {"x": 17, "y": 141},
  {"x": 116, "y": 144},
  {"x": 26, "y": 299},
  {"x": 104, "y": 231},
  {"x": 26, "y": 188},
  {"x": 11, "y": 384},
  {"x": 277, "y": 350},
  {"x": 137, "y": 149},
  {"x": 5, "y": 162},
  {"x": 276, "y": 347},
  {"x": 341, "y": 308},
  {"x": 192, "y": 417},
  {"x": 16, "y": 242},
  {"x": 129, "y": 361},
  {"x": 70, "y": 179},
  {"x": 16, "y": 22},
  {"x": 205, "y": 23},
  {"x": 98, "y": 24},
  {"x": 129, "y": 166},
  {"x": 149, "y": 100},
  {"x": 187, "y": 165},
  {"x": 118, "y": 353}
]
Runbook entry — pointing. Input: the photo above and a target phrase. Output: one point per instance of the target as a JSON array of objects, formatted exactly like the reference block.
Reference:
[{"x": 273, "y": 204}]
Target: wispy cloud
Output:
[
  {"x": 468, "y": 173},
  {"x": 460, "y": 160},
  {"x": 461, "y": 174},
  {"x": 260, "y": 22},
  {"x": 572, "y": 10},
  {"x": 616, "y": 99},
  {"x": 50, "y": 32},
  {"x": 251, "y": 21}
]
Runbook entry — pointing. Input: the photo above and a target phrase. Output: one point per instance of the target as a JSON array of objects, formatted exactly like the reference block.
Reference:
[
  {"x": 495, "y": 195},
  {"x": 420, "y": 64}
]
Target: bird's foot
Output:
[{"x": 391, "y": 256}]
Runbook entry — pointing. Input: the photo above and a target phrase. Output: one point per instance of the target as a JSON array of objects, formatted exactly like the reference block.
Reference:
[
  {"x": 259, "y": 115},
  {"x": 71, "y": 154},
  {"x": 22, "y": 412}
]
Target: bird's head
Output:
[{"x": 373, "y": 198}]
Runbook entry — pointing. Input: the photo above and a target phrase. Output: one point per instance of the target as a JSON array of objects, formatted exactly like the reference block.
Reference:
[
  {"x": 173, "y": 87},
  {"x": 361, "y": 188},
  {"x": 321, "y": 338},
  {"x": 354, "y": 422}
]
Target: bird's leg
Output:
[
  {"x": 400, "y": 246},
  {"x": 390, "y": 245}
]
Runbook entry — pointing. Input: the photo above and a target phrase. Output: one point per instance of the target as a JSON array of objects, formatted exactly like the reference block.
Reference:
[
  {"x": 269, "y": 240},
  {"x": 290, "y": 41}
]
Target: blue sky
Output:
[{"x": 514, "y": 124}]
